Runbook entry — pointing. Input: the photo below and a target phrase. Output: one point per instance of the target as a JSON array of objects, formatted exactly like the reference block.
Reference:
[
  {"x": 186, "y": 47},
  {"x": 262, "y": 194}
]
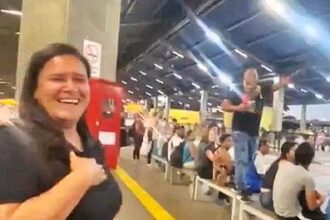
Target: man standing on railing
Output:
[{"x": 247, "y": 104}]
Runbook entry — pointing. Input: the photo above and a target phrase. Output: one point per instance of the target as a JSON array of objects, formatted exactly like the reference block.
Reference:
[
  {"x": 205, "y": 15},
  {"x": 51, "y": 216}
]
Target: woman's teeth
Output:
[{"x": 69, "y": 101}]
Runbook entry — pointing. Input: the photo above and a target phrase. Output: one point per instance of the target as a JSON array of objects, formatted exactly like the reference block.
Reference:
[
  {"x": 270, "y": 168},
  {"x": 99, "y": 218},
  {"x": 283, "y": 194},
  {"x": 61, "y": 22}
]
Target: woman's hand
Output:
[{"x": 87, "y": 168}]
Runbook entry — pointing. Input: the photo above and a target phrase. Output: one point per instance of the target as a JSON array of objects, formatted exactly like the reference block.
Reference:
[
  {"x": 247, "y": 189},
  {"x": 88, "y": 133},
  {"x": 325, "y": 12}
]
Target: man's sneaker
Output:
[{"x": 244, "y": 198}]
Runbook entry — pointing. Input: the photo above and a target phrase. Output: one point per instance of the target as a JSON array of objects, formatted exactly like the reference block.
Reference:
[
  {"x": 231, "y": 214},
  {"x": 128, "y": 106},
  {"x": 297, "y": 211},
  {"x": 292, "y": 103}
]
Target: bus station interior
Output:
[{"x": 181, "y": 58}]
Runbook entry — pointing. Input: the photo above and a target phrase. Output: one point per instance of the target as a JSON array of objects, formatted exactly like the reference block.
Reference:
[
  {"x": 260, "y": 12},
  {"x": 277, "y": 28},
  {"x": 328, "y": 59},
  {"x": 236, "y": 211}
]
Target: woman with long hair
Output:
[{"x": 51, "y": 167}]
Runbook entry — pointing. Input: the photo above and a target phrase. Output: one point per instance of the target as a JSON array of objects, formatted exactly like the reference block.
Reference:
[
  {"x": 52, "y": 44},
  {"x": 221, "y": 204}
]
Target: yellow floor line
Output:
[{"x": 152, "y": 206}]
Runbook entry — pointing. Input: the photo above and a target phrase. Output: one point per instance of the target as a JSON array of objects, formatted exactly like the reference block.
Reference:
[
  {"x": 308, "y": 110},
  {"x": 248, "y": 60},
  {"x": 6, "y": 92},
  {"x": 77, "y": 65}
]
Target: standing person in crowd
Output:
[
  {"x": 137, "y": 133},
  {"x": 189, "y": 151},
  {"x": 261, "y": 161},
  {"x": 300, "y": 192},
  {"x": 204, "y": 159},
  {"x": 266, "y": 191},
  {"x": 52, "y": 168},
  {"x": 247, "y": 105},
  {"x": 175, "y": 140},
  {"x": 222, "y": 164}
]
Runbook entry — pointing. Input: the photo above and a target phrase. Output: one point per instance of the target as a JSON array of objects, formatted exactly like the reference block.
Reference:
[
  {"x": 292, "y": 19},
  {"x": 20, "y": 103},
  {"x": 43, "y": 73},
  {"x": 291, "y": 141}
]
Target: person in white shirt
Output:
[
  {"x": 261, "y": 161},
  {"x": 175, "y": 140}
]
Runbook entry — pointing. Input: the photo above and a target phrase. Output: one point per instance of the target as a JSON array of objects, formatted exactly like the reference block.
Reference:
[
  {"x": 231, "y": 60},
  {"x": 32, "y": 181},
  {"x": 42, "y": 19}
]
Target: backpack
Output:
[
  {"x": 176, "y": 156},
  {"x": 252, "y": 179}
]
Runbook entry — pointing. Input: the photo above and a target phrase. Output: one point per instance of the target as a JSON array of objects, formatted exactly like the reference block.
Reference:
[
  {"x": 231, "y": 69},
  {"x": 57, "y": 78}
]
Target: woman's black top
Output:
[{"x": 33, "y": 159}]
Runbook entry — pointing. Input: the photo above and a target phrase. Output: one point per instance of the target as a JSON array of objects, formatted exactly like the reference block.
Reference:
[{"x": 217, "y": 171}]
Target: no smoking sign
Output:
[{"x": 93, "y": 53}]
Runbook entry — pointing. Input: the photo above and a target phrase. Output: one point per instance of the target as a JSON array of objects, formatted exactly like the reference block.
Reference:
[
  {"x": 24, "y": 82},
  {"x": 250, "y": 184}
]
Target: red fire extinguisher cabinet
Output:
[{"x": 103, "y": 117}]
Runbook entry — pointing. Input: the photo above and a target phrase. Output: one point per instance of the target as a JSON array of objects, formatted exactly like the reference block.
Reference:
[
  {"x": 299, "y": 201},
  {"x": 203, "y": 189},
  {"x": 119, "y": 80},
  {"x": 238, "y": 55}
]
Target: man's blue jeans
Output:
[{"x": 244, "y": 146}]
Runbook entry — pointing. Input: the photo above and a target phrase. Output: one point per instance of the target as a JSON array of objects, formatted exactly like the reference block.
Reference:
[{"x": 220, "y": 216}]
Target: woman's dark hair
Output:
[
  {"x": 304, "y": 154},
  {"x": 285, "y": 149},
  {"x": 29, "y": 109},
  {"x": 224, "y": 137}
]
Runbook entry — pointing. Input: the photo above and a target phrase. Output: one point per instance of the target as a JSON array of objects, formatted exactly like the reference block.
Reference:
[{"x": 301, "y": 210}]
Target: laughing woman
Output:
[{"x": 51, "y": 169}]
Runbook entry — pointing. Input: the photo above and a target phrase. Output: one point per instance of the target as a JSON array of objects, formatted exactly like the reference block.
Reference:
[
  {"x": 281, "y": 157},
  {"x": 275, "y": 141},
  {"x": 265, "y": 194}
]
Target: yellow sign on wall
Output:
[
  {"x": 133, "y": 108},
  {"x": 185, "y": 116},
  {"x": 8, "y": 102}
]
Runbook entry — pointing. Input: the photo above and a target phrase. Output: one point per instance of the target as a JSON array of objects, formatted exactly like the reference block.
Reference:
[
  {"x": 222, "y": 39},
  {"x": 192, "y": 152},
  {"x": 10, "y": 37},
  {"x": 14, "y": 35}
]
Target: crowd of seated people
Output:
[{"x": 287, "y": 187}]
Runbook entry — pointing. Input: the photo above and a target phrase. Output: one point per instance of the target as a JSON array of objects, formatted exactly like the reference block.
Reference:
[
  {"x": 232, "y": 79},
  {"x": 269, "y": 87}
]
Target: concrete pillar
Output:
[
  {"x": 155, "y": 103},
  {"x": 278, "y": 104},
  {"x": 70, "y": 21},
  {"x": 167, "y": 107},
  {"x": 303, "y": 118},
  {"x": 146, "y": 105},
  {"x": 203, "y": 106}
]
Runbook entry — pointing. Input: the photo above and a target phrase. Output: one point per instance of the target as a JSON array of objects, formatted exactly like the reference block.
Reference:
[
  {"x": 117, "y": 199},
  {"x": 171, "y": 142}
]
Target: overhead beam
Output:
[
  {"x": 140, "y": 23},
  {"x": 130, "y": 7},
  {"x": 159, "y": 7}
]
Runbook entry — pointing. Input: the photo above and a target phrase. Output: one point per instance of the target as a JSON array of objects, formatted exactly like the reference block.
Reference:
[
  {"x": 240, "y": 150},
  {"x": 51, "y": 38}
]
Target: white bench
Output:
[
  {"x": 161, "y": 160},
  {"x": 225, "y": 190},
  {"x": 253, "y": 209}
]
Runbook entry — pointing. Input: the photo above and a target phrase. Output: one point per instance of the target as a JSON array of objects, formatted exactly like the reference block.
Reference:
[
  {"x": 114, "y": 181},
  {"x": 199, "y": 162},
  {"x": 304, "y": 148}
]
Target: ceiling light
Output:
[
  {"x": 311, "y": 30},
  {"x": 2, "y": 93},
  {"x": 149, "y": 86},
  {"x": 12, "y": 12},
  {"x": 3, "y": 82},
  {"x": 214, "y": 86},
  {"x": 148, "y": 93},
  {"x": 319, "y": 96},
  {"x": 178, "y": 54},
  {"x": 124, "y": 82},
  {"x": 291, "y": 86},
  {"x": 177, "y": 76},
  {"x": 196, "y": 85},
  {"x": 276, "y": 6},
  {"x": 328, "y": 78},
  {"x": 130, "y": 92},
  {"x": 209, "y": 104},
  {"x": 225, "y": 79},
  {"x": 160, "y": 92},
  {"x": 212, "y": 36},
  {"x": 137, "y": 89},
  {"x": 266, "y": 68},
  {"x": 180, "y": 103},
  {"x": 142, "y": 73},
  {"x": 159, "y": 81},
  {"x": 202, "y": 67},
  {"x": 13, "y": 87},
  {"x": 216, "y": 93},
  {"x": 304, "y": 90},
  {"x": 241, "y": 53},
  {"x": 187, "y": 105},
  {"x": 134, "y": 79},
  {"x": 158, "y": 66},
  {"x": 18, "y": 33},
  {"x": 190, "y": 98}
]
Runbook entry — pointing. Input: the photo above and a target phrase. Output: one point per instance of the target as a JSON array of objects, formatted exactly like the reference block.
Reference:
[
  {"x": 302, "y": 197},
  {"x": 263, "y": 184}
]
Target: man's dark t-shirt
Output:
[{"x": 249, "y": 122}]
